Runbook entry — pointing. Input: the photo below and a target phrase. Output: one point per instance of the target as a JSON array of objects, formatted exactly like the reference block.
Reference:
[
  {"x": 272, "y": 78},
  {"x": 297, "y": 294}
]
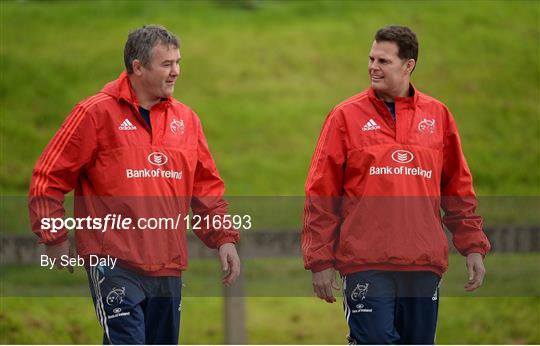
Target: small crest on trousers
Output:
[{"x": 359, "y": 292}]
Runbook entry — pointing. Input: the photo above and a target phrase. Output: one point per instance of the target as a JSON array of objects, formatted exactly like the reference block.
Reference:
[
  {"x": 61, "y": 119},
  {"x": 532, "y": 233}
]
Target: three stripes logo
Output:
[
  {"x": 370, "y": 126},
  {"x": 402, "y": 156},
  {"x": 126, "y": 125}
]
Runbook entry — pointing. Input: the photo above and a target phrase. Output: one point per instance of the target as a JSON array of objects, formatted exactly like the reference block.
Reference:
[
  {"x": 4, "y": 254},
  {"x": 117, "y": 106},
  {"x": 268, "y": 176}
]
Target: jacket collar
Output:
[
  {"x": 411, "y": 100},
  {"x": 122, "y": 89}
]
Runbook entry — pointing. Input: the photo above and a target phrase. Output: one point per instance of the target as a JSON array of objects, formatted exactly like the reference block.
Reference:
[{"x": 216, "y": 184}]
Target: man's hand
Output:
[
  {"x": 59, "y": 250},
  {"x": 323, "y": 283},
  {"x": 230, "y": 263},
  {"x": 476, "y": 270}
]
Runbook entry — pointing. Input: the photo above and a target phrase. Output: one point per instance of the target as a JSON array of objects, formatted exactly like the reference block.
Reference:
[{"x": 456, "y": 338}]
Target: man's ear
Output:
[
  {"x": 411, "y": 64},
  {"x": 137, "y": 67}
]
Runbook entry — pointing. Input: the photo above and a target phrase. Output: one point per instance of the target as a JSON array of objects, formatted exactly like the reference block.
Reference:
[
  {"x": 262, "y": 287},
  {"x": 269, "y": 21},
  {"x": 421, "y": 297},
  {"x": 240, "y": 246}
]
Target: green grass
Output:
[
  {"x": 280, "y": 307},
  {"x": 271, "y": 320},
  {"x": 262, "y": 80},
  {"x": 509, "y": 275}
]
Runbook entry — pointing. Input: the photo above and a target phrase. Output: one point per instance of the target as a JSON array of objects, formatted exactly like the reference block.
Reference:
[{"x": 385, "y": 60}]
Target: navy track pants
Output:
[
  {"x": 390, "y": 307},
  {"x": 136, "y": 309}
]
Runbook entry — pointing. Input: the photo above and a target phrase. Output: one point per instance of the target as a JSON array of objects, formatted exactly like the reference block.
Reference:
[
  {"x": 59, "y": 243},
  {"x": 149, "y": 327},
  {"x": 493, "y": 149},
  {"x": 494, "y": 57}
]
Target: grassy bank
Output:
[{"x": 263, "y": 79}]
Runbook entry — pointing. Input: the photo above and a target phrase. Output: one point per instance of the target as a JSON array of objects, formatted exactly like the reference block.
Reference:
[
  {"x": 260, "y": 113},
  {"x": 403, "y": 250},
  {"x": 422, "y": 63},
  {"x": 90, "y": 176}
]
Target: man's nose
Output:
[{"x": 175, "y": 71}]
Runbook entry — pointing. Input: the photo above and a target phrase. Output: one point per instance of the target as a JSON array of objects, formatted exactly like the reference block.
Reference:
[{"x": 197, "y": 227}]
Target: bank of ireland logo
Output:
[
  {"x": 177, "y": 126},
  {"x": 402, "y": 156},
  {"x": 158, "y": 159},
  {"x": 359, "y": 292},
  {"x": 427, "y": 126},
  {"x": 116, "y": 296}
]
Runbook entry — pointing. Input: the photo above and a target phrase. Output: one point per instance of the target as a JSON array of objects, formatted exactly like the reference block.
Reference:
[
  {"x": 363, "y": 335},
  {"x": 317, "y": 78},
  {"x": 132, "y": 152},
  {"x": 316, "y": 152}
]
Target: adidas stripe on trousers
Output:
[
  {"x": 136, "y": 309},
  {"x": 389, "y": 307}
]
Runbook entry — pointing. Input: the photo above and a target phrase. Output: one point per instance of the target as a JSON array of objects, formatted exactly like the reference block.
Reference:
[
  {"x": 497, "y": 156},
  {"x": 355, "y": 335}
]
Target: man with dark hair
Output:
[
  {"x": 133, "y": 151},
  {"x": 387, "y": 160}
]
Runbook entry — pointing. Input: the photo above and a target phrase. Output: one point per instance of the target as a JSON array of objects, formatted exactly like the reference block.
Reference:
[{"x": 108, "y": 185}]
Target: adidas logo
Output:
[
  {"x": 370, "y": 126},
  {"x": 127, "y": 126}
]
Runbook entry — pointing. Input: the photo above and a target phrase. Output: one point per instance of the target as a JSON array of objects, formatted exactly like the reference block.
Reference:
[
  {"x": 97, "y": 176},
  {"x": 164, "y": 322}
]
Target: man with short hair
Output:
[
  {"x": 133, "y": 151},
  {"x": 386, "y": 161}
]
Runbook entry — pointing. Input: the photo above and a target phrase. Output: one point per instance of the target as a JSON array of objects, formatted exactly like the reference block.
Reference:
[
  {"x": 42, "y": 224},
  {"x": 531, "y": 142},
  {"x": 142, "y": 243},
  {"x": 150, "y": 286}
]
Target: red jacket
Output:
[
  {"x": 118, "y": 165},
  {"x": 376, "y": 186}
]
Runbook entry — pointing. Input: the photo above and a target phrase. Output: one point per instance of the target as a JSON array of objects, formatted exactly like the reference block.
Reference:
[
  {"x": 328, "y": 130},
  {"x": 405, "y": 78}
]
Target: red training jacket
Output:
[
  {"x": 118, "y": 165},
  {"x": 376, "y": 186}
]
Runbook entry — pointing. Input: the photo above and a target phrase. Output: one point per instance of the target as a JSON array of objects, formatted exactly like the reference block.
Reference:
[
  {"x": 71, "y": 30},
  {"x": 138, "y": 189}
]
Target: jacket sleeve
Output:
[
  {"x": 458, "y": 197},
  {"x": 57, "y": 171},
  {"x": 207, "y": 200},
  {"x": 323, "y": 189}
]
